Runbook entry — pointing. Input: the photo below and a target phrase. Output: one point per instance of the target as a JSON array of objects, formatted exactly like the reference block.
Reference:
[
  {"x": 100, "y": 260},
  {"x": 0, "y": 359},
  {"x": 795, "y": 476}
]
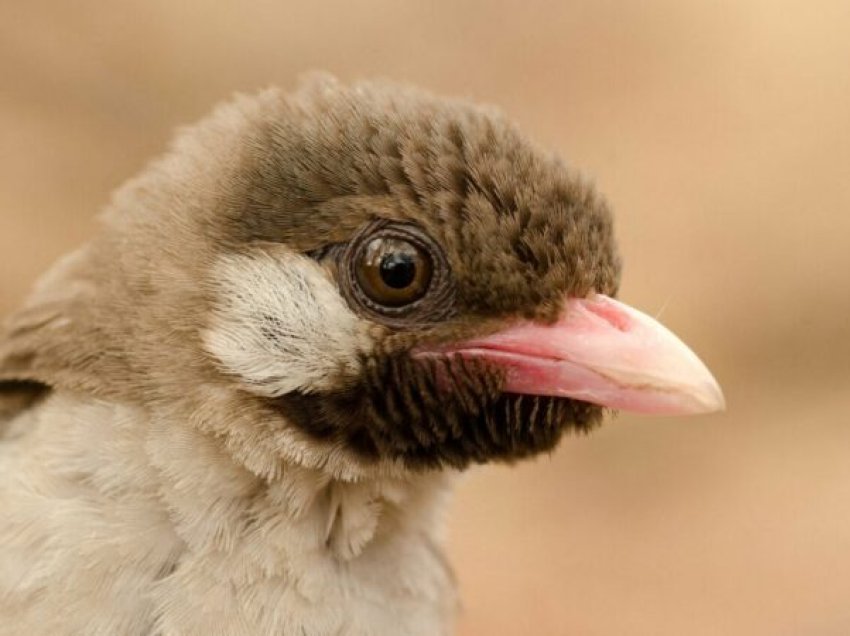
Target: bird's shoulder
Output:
[{"x": 56, "y": 339}]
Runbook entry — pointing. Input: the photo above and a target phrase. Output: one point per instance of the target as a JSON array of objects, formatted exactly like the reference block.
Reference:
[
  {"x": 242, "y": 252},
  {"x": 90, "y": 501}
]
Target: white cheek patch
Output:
[{"x": 280, "y": 324}]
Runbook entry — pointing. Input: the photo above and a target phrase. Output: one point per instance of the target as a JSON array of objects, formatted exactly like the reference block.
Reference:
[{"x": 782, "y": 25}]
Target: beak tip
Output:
[
  {"x": 710, "y": 398},
  {"x": 719, "y": 400}
]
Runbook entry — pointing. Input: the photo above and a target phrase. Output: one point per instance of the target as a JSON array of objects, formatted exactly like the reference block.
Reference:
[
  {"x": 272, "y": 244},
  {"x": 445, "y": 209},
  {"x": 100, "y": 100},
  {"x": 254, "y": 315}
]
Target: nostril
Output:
[{"x": 609, "y": 312}]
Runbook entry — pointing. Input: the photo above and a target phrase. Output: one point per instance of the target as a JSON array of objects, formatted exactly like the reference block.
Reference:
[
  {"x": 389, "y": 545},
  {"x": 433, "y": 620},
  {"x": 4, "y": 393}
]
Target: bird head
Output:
[{"x": 372, "y": 276}]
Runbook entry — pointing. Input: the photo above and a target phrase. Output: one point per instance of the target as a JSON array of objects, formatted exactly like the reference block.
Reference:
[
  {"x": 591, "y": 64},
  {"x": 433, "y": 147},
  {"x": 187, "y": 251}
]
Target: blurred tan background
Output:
[{"x": 720, "y": 131}]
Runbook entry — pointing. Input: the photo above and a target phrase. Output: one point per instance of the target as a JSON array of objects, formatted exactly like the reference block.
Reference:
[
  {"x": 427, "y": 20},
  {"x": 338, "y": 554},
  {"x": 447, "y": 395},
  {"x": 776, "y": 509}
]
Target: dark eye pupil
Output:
[{"x": 398, "y": 270}]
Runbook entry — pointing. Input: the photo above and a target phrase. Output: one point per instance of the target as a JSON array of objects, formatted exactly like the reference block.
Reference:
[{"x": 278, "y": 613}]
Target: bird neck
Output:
[
  {"x": 342, "y": 514},
  {"x": 350, "y": 543},
  {"x": 212, "y": 546}
]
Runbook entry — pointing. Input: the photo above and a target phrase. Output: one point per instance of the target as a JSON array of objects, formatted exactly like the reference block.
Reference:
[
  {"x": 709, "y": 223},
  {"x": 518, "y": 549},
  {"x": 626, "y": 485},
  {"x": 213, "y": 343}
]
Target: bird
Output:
[{"x": 243, "y": 405}]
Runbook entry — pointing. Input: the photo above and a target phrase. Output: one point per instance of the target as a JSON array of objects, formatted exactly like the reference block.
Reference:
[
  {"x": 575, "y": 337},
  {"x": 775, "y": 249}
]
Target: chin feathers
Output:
[{"x": 436, "y": 413}]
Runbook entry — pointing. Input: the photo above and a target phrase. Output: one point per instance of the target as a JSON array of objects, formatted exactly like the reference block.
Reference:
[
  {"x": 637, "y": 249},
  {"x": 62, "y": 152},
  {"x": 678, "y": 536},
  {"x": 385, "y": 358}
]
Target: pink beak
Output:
[{"x": 601, "y": 351}]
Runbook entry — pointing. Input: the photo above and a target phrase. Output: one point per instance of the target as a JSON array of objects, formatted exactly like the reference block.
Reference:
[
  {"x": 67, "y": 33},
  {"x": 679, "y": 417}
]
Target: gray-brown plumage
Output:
[{"x": 223, "y": 413}]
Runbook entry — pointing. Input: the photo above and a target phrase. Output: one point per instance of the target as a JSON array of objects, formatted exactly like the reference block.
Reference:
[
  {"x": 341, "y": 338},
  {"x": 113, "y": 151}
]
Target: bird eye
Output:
[
  {"x": 394, "y": 272},
  {"x": 397, "y": 275}
]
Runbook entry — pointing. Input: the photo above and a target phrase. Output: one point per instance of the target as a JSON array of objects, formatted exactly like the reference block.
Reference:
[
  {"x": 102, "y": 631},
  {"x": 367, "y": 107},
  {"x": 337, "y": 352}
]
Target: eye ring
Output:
[{"x": 397, "y": 275}]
